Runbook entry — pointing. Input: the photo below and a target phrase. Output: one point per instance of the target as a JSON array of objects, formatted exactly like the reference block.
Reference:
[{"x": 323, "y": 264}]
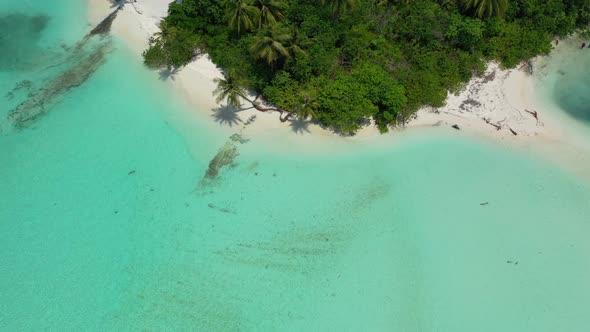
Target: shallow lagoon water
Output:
[
  {"x": 104, "y": 224},
  {"x": 565, "y": 79}
]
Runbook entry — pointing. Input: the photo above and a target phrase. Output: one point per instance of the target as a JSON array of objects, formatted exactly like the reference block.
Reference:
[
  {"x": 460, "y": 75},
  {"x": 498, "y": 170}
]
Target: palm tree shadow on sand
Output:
[
  {"x": 167, "y": 74},
  {"x": 117, "y": 3},
  {"x": 225, "y": 115},
  {"x": 300, "y": 126}
]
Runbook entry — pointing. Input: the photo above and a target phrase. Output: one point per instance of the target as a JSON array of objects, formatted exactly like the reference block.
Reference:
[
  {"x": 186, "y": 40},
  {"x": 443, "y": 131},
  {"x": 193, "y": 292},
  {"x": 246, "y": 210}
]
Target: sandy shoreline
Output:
[{"x": 500, "y": 98}]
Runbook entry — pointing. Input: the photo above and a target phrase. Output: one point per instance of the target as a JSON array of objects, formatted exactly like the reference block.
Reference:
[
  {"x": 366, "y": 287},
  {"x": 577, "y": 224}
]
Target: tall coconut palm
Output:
[
  {"x": 382, "y": 3},
  {"x": 296, "y": 43},
  {"x": 241, "y": 15},
  {"x": 309, "y": 106},
  {"x": 339, "y": 7},
  {"x": 271, "y": 11},
  {"x": 486, "y": 8},
  {"x": 230, "y": 88},
  {"x": 271, "y": 46}
]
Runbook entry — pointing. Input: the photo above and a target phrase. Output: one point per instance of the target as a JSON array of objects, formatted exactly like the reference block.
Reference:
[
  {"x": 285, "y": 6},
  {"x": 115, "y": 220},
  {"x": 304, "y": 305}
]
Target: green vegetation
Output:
[
  {"x": 345, "y": 62},
  {"x": 486, "y": 8},
  {"x": 231, "y": 89}
]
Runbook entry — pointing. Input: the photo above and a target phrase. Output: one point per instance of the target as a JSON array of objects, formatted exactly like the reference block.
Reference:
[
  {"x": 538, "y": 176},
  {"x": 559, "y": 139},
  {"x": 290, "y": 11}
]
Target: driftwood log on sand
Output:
[
  {"x": 512, "y": 131},
  {"x": 498, "y": 126},
  {"x": 534, "y": 114}
]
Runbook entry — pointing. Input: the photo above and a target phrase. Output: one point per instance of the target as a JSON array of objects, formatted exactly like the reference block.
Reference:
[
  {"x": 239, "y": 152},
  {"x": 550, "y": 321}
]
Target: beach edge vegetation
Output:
[{"x": 347, "y": 63}]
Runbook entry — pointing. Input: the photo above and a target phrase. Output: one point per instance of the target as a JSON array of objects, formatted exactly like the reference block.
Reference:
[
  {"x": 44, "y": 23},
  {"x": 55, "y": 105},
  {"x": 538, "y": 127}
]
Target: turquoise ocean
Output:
[{"x": 106, "y": 222}]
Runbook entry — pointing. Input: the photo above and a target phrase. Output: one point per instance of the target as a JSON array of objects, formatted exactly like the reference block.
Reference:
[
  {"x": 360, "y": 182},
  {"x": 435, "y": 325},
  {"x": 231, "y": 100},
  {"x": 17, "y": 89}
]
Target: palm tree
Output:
[
  {"x": 384, "y": 3},
  {"x": 486, "y": 8},
  {"x": 270, "y": 46},
  {"x": 270, "y": 11},
  {"x": 241, "y": 15},
  {"x": 339, "y": 7},
  {"x": 296, "y": 42},
  {"x": 230, "y": 88},
  {"x": 309, "y": 106}
]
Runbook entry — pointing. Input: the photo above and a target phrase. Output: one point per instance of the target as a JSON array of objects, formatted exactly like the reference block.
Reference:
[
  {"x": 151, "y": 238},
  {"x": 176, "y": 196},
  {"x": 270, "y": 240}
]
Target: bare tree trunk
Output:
[{"x": 286, "y": 117}]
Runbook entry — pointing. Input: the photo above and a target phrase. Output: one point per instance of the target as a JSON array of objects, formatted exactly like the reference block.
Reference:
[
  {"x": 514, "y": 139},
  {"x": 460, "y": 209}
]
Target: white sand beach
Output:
[{"x": 498, "y": 106}]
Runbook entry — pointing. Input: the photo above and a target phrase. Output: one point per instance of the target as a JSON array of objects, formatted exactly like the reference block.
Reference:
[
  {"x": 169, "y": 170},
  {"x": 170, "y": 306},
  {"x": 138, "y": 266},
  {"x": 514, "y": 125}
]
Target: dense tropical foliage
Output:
[
  {"x": 486, "y": 8},
  {"x": 346, "y": 62}
]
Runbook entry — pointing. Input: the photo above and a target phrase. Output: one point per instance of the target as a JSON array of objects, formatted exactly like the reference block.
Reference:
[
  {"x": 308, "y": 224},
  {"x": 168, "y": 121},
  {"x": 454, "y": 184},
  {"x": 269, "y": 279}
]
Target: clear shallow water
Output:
[
  {"x": 103, "y": 224},
  {"x": 566, "y": 79}
]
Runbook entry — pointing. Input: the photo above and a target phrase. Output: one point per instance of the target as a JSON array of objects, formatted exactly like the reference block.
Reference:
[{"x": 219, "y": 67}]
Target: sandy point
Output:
[{"x": 499, "y": 106}]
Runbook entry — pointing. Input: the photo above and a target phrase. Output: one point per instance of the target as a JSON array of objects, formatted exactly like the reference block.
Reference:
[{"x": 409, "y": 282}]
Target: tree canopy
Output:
[
  {"x": 346, "y": 62},
  {"x": 486, "y": 8}
]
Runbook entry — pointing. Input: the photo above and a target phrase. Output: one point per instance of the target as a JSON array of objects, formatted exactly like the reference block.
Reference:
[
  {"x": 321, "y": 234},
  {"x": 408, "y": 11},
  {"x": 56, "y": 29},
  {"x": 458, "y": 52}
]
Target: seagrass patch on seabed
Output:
[
  {"x": 226, "y": 155},
  {"x": 79, "y": 64}
]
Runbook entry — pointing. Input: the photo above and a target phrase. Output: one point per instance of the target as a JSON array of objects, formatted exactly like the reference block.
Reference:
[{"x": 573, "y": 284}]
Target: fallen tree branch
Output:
[{"x": 498, "y": 126}]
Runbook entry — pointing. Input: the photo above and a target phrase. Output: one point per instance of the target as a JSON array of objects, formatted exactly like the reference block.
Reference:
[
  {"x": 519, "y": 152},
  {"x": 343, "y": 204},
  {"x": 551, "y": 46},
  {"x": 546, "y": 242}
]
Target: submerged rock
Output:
[
  {"x": 225, "y": 156},
  {"x": 238, "y": 138},
  {"x": 81, "y": 62},
  {"x": 84, "y": 64},
  {"x": 24, "y": 84},
  {"x": 220, "y": 209}
]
